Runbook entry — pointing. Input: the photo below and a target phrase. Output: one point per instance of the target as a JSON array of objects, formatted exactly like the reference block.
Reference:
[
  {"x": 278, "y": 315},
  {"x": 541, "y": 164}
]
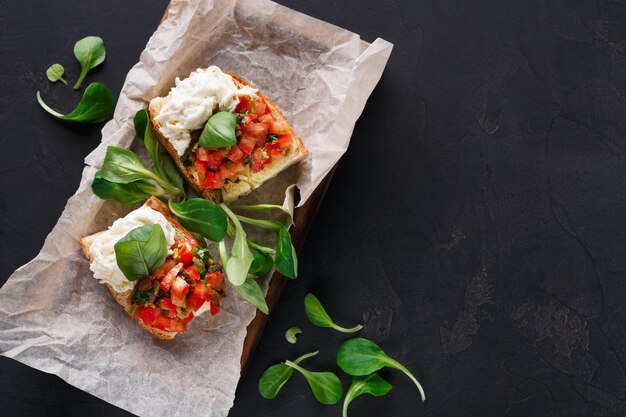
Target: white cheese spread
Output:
[
  {"x": 193, "y": 100},
  {"x": 103, "y": 262}
]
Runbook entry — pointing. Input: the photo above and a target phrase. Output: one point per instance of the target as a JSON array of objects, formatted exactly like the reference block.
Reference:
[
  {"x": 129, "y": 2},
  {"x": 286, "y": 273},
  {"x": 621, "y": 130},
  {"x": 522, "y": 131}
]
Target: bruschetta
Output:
[
  {"x": 187, "y": 284},
  {"x": 266, "y": 144}
]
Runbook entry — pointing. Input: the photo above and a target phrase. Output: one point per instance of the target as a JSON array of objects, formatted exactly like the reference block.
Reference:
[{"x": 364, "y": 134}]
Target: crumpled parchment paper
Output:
[{"x": 55, "y": 317}]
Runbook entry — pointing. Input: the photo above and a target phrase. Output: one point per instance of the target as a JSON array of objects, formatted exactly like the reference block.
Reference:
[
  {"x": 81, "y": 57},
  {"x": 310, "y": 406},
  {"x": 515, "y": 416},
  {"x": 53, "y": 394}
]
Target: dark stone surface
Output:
[{"x": 476, "y": 225}]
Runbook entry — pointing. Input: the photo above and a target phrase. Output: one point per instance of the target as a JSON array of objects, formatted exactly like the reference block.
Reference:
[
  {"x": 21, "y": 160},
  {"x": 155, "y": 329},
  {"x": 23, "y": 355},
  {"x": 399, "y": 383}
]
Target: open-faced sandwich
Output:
[
  {"x": 156, "y": 269},
  {"x": 224, "y": 135}
]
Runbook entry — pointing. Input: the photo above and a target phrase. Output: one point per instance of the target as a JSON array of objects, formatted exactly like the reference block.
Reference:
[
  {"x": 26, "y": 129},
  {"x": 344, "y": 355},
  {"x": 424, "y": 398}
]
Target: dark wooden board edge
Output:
[{"x": 303, "y": 220}]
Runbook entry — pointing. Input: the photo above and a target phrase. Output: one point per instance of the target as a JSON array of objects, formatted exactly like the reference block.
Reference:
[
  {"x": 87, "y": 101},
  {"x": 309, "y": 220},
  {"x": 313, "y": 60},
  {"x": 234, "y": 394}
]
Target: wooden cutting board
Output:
[{"x": 303, "y": 219}]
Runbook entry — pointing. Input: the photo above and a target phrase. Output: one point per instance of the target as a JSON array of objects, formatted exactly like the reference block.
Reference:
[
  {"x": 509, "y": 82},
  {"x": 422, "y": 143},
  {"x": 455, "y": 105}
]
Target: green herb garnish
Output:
[
  {"x": 291, "y": 335},
  {"x": 90, "y": 53},
  {"x": 141, "y": 251},
  {"x": 360, "y": 356},
  {"x": 277, "y": 375},
  {"x": 55, "y": 73},
  {"x": 318, "y": 316},
  {"x": 371, "y": 384},
  {"x": 96, "y": 105}
]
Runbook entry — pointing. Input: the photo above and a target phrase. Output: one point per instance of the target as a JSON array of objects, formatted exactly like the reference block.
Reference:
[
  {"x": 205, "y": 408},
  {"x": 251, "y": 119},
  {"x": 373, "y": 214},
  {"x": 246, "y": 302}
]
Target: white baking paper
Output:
[{"x": 54, "y": 316}]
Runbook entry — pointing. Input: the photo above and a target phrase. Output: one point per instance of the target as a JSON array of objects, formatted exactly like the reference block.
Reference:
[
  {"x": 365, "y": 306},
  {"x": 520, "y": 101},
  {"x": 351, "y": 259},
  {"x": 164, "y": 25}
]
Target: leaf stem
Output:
[
  {"x": 264, "y": 224},
  {"x": 46, "y": 107},
  {"x": 63, "y": 80},
  {"x": 400, "y": 367},
  {"x": 83, "y": 73},
  {"x": 305, "y": 356},
  {"x": 296, "y": 367},
  {"x": 345, "y": 330}
]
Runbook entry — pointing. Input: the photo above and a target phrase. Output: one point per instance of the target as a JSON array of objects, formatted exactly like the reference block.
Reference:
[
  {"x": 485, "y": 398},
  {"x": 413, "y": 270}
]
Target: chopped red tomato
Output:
[
  {"x": 187, "y": 319},
  {"x": 148, "y": 315},
  {"x": 179, "y": 291},
  {"x": 214, "y": 279},
  {"x": 267, "y": 119},
  {"x": 231, "y": 170},
  {"x": 235, "y": 154},
  {"x": 214, "y": 308},
  {"x": 168, "y": 309},
  {"x": 284, "y": 141},
  {"x": 198, "y": 296},
  {"x": 201, "y": 170},
  {"x": 164, "y": 269},
  {"x": 166, "y": 282},
  {"x": 192, "y": 272},
  {"x": 249, "y": 118},
  {"x": 247, "y": 143},
  {"x": 214, "y": 160},
  {"x": 244, "y": 103},
  {"x": 260, "y": 107},
  {"x": 213, "y": 180},
  {"x": 278, "y": 128},
  {"x": 186, "y": 253},
  {"x": 169, "y": 324},
  {"x": 256, "y": 130},
  {"x": 259, "y": 159},
  {"x": 273, "y": 149}
]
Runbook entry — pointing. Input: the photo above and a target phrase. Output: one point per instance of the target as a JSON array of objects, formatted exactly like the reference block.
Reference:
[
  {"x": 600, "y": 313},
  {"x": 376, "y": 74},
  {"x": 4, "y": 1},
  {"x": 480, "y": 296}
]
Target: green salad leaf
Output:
[
  {"x": 96, "y": 105},
  {"x": 219, "y": 131},
  {"x": 318, "y": 316},
  {"x": 274, "y": 377},
  {"x": 241, "y": 257},
  {"x": 141, "y": 251},
  {"x": 372, "y": 384},
  {"x": 90, "y": 53},
  {"x": 201, "y": 216},
  {"x": 326, "y": 386},
  {"x": 360, "y": 356},
  {"x": 291, "y": 335},
  {"x": 251, "y": 292},
  {"x": 55, "y": 73}
]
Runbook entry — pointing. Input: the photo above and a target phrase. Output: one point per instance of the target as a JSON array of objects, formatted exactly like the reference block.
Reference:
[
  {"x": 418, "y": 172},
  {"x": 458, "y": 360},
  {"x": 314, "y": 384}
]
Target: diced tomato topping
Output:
[
  {"x": 168, "y": 309},
  {"x": 246, "y": 143},
  {"x": 260, "y": 107},
  {"x": 214, "y": 309},
  {"x": 148, "y": 314},
  {"x": 202, "y": 154},
  {"x": 169, "y": 324},
  {"x": 198, "y": 296},
  {"x": 179, "y": 291},
  {"x": 214, "y": 160},
  {"x": 166, "y": 282},
  {"x": 214, "y": 279},
  {"x": 267, "y": 119},
  {"x": 244, "y": 103},
  {"x": 213, "y": 180},
  {"x": 164, "y": 269},
  {"x": 231, "y": 170},
  {"x": 201, "y": 170},
  {"x": 278, "y": 128},
  {"x": 186, "y": 253},
  {"x": 284, "y": 141},
  {"x": 259, "y": 160},
  {"x": 256, "y": 130},
  {"x": 273, "y": 149},
  {"x": 249, "y": 118},
  {"x": 235, "y": 154},
  {"x": 192, "y": 272},
  {"x": 187, "y": 319}
]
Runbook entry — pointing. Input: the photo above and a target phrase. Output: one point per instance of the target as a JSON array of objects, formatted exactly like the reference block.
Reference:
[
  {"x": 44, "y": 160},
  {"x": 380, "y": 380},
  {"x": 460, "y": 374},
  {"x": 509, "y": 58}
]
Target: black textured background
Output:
[{"x": 476, "y": 224}]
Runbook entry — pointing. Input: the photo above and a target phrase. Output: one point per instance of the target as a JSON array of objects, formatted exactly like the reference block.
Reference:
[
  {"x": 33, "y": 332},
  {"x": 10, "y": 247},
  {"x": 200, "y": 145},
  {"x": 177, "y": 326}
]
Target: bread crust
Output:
[
  {"x": 123, "y": 299},
  {"x": 248, "y": 180}
]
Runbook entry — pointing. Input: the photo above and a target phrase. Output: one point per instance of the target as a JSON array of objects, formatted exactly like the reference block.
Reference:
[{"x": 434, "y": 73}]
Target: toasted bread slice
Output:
[
  {"x": 247, "y": 180},
  {"x": 123, "y": 299}
]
